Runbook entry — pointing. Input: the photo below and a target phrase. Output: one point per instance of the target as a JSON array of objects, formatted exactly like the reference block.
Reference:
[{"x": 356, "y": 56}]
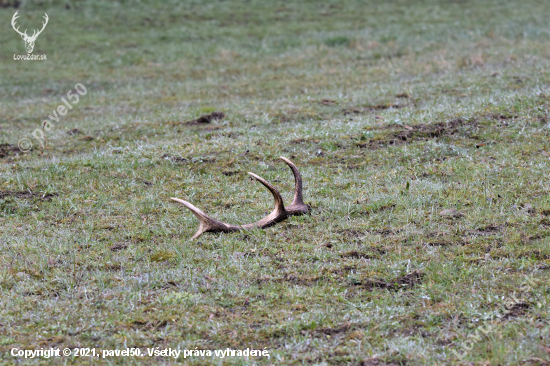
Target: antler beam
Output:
[{"x": 279, "y": 213}]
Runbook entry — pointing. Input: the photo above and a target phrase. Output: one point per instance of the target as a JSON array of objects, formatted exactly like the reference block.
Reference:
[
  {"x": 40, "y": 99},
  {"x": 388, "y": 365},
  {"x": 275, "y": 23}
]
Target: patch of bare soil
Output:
[
  {"x": 487, "y": 230},
  {"x": 27, "y": 194},
  {"x": 117, "y": 247},
  {"x": 331, "y": 331},
  {"x": 517, "y": 310},
  {"x": 407, "y": 134},
  {"x": 290, "y": 278},
  {"x": 327, "y": 102},
  {"x": 371, "y": 284},
  {"x": 302, "y": 140},
  {"x": 148, "y": 325},
  {"x": 175, "y": 159},
  {"x": 403, "y": 95},
  {"x": 440, "y": 239},
  {"x": 370, "y": 108},
  {"x": 206, "y": 118},
  {"x": 342, "y": 270},
  {"x": 408, "y": 280},
  {"x": 503, "y": 116},
  {"x": 452, "y": 213},
  {"x": 229, "y": 173},
  {"x": 7, "y": 150},
  {"x": 356, "y": 254},
  {"x": 385, "y": 232}
]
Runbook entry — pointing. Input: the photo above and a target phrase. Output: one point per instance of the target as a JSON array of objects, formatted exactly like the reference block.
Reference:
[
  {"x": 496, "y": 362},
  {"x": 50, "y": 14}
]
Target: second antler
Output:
[{"x": 279, "y": 213}]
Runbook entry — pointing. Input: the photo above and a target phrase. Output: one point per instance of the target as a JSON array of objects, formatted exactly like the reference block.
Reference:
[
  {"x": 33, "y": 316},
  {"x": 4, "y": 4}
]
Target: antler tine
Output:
[
  {"x": 297, "y": 207},
  {"x": 206, "y": 223},
  {"x": 278, "y": 214}
]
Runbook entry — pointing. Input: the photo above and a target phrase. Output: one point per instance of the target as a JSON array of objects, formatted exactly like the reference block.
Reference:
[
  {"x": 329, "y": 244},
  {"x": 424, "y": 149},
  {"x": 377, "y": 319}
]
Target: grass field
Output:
[{"x": 421, "y": 129}]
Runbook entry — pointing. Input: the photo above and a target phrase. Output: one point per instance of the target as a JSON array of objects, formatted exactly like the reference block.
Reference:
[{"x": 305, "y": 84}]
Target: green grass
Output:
[{"x": 420, "y": 129}]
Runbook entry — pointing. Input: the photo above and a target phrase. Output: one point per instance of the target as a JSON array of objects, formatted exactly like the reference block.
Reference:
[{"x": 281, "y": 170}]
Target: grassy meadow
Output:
[{"x": 421, "y": 129}]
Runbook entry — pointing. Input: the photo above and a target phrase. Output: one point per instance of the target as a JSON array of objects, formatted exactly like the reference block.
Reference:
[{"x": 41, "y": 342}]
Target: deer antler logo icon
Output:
[{"x": 29, "y": 40}]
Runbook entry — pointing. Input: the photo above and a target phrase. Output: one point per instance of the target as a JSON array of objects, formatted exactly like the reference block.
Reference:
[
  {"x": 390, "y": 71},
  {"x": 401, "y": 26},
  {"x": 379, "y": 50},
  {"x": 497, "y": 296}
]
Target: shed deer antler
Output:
[{"x": 279, "y": 213}]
